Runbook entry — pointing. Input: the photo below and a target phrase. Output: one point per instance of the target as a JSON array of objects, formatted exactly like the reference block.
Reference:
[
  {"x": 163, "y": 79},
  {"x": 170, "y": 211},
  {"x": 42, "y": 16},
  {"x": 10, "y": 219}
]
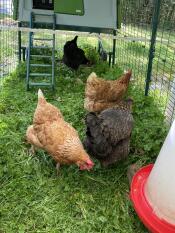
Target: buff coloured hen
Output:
[
  {"x": 108, "y": 134},
  {"x": 51, "y": 133},
  {"x": 101, "y": 94}
]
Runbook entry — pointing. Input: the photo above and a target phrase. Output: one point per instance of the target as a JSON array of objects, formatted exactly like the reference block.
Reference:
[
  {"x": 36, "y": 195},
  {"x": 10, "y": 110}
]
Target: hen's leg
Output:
[
  {"x": 58, "y": 168},
  {"x": 32, "y": 139},
  {"x": 32, "y": 150}
]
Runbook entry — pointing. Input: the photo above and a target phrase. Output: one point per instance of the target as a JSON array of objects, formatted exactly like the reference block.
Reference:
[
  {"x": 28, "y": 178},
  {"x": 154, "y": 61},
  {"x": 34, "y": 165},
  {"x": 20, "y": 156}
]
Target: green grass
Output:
[
  {"x": 2, "y": 16},
  {"x": 33, "y": 198}
]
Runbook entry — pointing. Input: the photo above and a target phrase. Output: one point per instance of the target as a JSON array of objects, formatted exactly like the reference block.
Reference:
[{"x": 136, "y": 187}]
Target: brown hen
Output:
[
  {"x": 101, "y": 94},
  {"x": 51, "y": 133}
]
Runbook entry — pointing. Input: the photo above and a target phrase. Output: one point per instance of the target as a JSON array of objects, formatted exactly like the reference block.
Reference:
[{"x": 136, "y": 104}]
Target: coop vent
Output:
[
  {"x": 70, "y": 7},
  {"x": 43, "y": 4}
]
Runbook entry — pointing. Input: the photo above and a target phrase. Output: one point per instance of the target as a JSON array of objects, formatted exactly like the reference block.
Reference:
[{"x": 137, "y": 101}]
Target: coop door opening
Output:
[
  {"x": 43, "y": 4},
  {"x": 71, "y": 7}
]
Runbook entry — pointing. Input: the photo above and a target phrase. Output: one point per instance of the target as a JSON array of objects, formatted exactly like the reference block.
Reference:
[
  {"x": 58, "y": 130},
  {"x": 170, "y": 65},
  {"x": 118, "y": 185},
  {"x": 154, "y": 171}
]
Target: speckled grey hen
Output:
[{"x": 108, "y": 134}]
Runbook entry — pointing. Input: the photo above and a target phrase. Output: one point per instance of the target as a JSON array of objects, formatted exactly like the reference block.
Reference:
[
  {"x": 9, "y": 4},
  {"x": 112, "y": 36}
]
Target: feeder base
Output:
[{"x": 143, "y": 208}]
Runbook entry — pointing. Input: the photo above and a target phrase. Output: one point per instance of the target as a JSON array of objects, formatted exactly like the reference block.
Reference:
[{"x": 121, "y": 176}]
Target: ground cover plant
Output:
[{"x": 32, "y": 197}]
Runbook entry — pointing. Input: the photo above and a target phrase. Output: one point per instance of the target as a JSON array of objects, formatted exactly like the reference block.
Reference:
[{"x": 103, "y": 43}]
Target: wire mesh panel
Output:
[
  {"x": 134, "y": 43},
  {"x": 162, "y": 85},
  {"x": 8, "y": 39},
  {"x": 134, "y": 37}
]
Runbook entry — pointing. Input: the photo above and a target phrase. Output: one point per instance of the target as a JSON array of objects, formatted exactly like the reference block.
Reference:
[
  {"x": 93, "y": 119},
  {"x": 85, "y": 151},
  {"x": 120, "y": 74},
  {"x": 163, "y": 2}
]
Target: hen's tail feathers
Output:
[
  {"x": 92, "y": 76},
  {"x": 93, "y": 123},
  {"x": 75, "y": 39},
  {"x": 91, "y": 119},
  {"x": 126, "y": 77},
  {"x": 40, "y": 94},
  {"x": 129, "y": 72},
  {"x": 41, "y": 98},
  {"x": 96, "y": 142}
]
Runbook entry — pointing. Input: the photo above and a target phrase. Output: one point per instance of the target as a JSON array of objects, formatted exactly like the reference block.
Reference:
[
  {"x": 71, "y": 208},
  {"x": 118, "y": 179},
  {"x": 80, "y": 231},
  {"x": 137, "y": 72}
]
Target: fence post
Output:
[
  {"x": 152, "y": 45},
  {"x": 19, "y": 43}
]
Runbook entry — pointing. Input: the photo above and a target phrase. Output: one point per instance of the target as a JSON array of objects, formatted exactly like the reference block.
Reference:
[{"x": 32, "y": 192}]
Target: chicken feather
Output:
[
  {"x": 101, "y": 94},
  {"x": 108, "y": 134},
  {"x": 51, "y": 133}
]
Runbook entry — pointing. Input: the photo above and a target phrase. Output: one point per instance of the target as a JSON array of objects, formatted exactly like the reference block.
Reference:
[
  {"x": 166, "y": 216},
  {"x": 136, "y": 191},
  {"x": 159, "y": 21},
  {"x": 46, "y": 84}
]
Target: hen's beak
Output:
[{"x": 88, "y": 165}]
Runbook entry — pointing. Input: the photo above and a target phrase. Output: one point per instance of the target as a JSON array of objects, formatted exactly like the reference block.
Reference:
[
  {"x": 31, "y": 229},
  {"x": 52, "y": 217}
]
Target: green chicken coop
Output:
[
  {"x": 82, "y": 15},
  {"x": 95, "y": 16}
]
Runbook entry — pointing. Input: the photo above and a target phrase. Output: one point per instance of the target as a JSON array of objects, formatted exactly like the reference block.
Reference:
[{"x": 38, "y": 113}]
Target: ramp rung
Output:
[
  {"x": 40, "y": 74},
  {"x": 40, "y": 65},
  {"x": 42, "y": 39},
  {"x": 46, "y": 56},
  {"x": 40, "y": 84},
  {"x": 40, "y": 47}
]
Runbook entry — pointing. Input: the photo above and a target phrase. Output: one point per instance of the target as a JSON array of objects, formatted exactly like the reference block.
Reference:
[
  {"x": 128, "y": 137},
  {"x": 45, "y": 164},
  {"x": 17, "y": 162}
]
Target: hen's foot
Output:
[{"x": 132, "y": 169}]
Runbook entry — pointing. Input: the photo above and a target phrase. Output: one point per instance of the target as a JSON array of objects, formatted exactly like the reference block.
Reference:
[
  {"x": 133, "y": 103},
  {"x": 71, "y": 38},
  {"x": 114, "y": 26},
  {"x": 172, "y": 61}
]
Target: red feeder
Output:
[{"x": 142, "y": 206}]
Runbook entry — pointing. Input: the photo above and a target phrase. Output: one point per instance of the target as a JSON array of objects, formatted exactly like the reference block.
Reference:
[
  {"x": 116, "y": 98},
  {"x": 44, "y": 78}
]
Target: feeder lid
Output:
[{"x": 143, "y": 208}]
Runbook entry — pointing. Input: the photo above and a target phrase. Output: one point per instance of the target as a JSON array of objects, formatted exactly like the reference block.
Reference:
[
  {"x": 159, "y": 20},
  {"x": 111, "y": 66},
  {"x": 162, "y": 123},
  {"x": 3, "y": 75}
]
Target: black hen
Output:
[
  {"x": 108, "y": 135},
  {"x": 73, "y": 56}
]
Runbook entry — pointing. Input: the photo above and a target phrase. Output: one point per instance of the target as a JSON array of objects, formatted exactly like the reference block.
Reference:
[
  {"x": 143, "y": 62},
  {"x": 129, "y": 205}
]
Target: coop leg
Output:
[
  {"x": 23, "y": 54},
  {"x": 110, "y": 56},
  {"x": 114, "y": 49},
  {"x": 99, "y": 46}
]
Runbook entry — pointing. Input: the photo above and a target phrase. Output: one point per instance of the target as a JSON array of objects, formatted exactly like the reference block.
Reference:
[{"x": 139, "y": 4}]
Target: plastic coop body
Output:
[{"x": 82, "y": 15}]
